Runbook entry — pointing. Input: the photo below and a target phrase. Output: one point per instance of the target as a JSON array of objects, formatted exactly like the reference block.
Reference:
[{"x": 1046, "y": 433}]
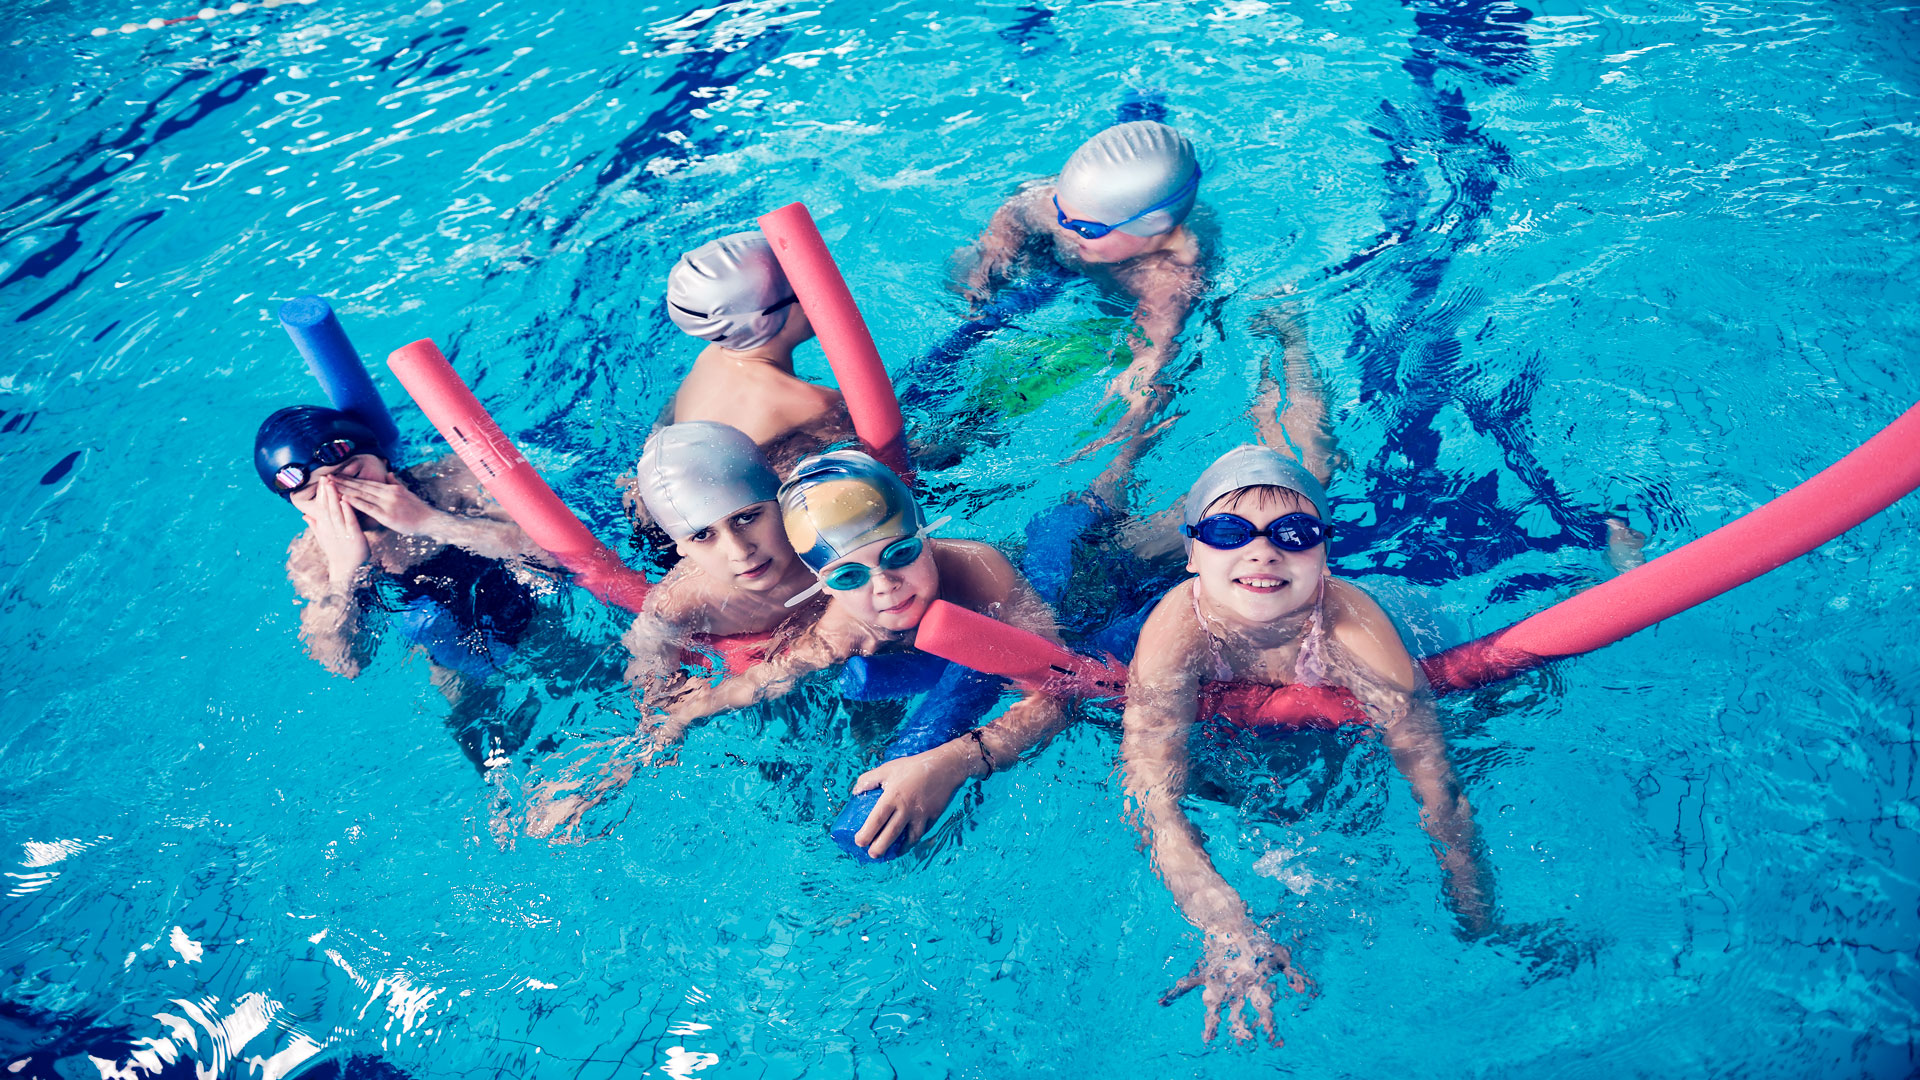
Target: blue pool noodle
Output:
[
  {"x": 316, "y": 332},
  {"x": 890, "y": 675},
  {"x": 957, "y": 700}
]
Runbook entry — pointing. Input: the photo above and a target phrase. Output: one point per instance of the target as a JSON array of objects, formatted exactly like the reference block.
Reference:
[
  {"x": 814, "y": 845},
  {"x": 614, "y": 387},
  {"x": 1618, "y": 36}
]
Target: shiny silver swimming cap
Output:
[
  {"x": 1126, "y": 169},
  {"x": 693, "y": 474},
  {"x": 1251, "y": 466},
  {"x": 730, "y": 291},
  {"x": 837, "y": 501}
]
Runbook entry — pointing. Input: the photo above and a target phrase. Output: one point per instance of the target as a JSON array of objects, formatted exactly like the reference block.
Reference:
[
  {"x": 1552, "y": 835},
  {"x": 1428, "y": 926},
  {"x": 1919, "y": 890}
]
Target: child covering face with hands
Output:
[{"x": 426, "y": 544}]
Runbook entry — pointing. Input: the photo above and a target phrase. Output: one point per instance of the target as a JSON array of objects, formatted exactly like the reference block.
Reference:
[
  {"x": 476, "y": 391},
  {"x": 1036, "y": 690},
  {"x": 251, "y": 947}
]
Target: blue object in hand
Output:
[
  {"x": 954, "y": 705},
  {"x": 890, "y": 675},
  {"x": 316, "y": 332}
]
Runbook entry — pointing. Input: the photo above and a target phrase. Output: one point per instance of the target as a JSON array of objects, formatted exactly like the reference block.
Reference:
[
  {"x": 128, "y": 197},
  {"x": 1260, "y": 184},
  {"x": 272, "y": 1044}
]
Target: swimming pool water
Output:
[{"x": 1551, "y": 259}]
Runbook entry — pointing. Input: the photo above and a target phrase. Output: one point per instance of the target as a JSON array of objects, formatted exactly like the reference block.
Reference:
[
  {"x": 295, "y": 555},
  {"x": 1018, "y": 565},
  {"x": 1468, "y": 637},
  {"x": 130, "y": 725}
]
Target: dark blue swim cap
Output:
[{"x": 297, "y": 436}]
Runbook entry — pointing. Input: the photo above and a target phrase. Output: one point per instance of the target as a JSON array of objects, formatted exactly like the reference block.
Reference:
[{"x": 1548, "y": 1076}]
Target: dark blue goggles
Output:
[
  {"x": 1094, "y": 230},
  {"x": 1294, "y": 532},
  {"x": 293, "y": 476}
]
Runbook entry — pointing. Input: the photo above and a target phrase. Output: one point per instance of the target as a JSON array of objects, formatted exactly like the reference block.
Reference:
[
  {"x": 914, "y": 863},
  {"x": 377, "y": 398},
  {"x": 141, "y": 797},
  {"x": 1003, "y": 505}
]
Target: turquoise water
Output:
[{"x": 1656, "y": 255}]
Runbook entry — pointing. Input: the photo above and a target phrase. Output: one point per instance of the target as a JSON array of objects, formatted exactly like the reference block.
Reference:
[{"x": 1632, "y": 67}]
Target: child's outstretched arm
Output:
[
  {"x": 1385, "y": 679},
  {"x": 1163, "y": 700}
]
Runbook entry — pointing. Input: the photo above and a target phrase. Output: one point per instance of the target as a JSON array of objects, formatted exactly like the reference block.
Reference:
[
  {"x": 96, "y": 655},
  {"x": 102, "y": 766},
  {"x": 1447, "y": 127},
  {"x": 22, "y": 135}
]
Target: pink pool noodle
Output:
[
  {"x": 985, "y": 644},
  {"x": 1884, "y": 469},
  {"x": 843, "y": 334},
  {"x": 508, "y": 477},
  {"x": 1858, "y": 486}
]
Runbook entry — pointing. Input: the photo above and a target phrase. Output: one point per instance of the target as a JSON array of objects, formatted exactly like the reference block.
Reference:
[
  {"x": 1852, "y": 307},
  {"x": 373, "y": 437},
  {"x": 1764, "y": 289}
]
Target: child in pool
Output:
[
  {"x": 1263, "y": 609},
  {"x": 731, "y": 292},
  {"x": 426, "y": 535},
  {"x": 710, "y": 489},
  {"x": 856, "y": 526},
  {"x": 1115, "y": 214}
]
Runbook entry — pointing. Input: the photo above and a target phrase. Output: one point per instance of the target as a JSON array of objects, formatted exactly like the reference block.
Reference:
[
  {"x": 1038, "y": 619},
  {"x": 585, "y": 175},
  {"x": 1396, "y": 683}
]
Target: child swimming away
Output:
[
  {"x": 1263, "y": 609},
  {"x": 423, "y": 542},
  {"x": 1116, "y": 215},
  {"x": 731, "y": 292},
  {"x": 856, "y": 527}
]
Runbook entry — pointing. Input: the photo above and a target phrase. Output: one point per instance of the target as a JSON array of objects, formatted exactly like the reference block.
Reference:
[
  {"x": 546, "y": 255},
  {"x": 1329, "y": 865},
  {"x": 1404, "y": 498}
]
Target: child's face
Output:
[
  {"x": 359, "y": 466},
  {"x": 1260, "y": 582},
  {"x": 747, "y": 549},
  {"x": 894, "y": 599},
  {"x": 1114, "y": 247}
]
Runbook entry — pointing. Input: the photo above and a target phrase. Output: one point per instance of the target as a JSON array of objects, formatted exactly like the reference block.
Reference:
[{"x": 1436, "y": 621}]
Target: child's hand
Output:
[
  {"x": 918, "y": 789},
  {"x": 391, "y": 503},
  {"x": 1234, "y": 972},
  {"x": 338, "y": 531}
]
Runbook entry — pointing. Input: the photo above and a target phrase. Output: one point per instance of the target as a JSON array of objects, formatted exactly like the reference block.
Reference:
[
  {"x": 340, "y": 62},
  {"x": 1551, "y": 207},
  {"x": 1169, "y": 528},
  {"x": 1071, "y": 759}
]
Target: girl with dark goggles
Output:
[
  {"x": 1294, "y": 532},
  {"x": 1094, "y": 230},
  {"x": 293, "y": 476}
]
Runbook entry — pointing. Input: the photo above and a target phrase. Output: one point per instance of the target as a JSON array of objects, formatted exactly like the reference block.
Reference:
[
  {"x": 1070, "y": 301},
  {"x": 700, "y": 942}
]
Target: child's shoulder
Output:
[{"x": 1364, "y": 629}]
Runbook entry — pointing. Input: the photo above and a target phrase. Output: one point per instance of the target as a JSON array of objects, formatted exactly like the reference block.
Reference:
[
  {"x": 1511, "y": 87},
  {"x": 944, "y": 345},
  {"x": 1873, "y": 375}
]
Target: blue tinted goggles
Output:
[
  {"x": 1294, "y": 532},
  {"x": 1094, "y": 230}
]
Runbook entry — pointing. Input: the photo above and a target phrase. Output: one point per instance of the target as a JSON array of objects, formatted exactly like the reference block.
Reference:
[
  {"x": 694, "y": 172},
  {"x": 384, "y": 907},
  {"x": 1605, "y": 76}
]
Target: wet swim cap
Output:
[
  {"x": 693, "y": 474},
  {"x": 730, "y": 291},
  {"x": 1124, "y": 170},
  {"x": 1251, "y": 466},
  {"x": 837, "y": 501},
  {"x": 291, "y": 436}
]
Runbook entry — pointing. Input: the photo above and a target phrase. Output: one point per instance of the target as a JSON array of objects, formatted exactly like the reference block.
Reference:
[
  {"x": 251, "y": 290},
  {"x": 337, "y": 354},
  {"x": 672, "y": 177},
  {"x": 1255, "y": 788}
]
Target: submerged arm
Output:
[
  {"x": 1384, "y": 677},
  {"x": 997, "y": 248},
  {"x": 764, "y": 681},
  {"x": 1420, "y": 753},
  {"x": 1239, "y": 958},
  {"x": 330, "y": 622}
]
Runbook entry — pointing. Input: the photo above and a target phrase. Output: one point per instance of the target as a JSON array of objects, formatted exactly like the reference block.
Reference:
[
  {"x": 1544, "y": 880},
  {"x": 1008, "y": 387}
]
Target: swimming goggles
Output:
[
  {"x": 898, "y": 555},
  {"x": 1094, "y": 230},
  {"x": 292, "y": 477},
  {"x": 1294, "y": 532}
]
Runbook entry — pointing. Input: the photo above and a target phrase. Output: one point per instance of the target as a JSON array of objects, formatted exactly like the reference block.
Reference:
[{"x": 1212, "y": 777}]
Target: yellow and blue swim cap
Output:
[{"x": 839, "y": 501}]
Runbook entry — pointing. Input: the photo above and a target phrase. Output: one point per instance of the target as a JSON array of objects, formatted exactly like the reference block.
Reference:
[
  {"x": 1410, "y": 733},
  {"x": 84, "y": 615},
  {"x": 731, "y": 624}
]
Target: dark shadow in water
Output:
[{"x": 1438, "y": 526}]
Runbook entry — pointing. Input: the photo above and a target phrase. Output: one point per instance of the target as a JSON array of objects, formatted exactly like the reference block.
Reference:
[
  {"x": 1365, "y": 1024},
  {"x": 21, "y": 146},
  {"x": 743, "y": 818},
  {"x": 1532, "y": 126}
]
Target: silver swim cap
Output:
[
  {"x": 1251, "y": 466},
  {"x": 838, "y": 501},
  {"x": 1127, "y": 169},
  {"x": 693, "y": 474},
  {"x": 730, "y": 291}
]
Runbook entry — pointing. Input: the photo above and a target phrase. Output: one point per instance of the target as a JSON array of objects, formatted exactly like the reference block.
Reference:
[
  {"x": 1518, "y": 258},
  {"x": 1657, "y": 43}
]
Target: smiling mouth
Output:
[
  {"x": 1261, "y": 584},
  {"x": 899, "y": 607}
]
